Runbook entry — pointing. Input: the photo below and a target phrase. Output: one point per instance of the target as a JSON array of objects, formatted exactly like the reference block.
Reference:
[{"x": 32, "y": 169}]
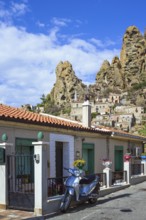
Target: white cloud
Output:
[
  {"x": 12, "y": 10},
  {"x": 101, "y": 44},
  {"x": 28, "y": 62},
  {"x": 5, "y": 14},
  {"x": 19, "y": 9},
  {"x": 40, "y": 24},
  {"x": 60, "y": 22}
]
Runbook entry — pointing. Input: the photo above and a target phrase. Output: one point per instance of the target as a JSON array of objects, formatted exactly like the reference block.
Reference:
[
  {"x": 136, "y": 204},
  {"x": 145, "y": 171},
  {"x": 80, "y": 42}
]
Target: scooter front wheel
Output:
[{"x": 66, "y": 203}]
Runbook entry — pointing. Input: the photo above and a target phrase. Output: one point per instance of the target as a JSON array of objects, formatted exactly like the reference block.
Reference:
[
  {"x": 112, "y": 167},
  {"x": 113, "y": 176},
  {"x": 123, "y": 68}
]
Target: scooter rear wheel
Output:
[
  {"x": 66, "y": 203},
  {"x": 92, "y": 200}
]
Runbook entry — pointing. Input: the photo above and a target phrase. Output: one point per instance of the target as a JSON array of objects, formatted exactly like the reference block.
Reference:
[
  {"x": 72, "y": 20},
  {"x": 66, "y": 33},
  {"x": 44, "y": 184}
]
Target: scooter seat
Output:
[{"x": 87, "y": 179}]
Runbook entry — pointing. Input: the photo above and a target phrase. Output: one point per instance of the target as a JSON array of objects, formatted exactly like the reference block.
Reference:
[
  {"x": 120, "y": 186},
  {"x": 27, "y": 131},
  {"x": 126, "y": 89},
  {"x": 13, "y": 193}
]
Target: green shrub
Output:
[{"x": 94, "y": 114}]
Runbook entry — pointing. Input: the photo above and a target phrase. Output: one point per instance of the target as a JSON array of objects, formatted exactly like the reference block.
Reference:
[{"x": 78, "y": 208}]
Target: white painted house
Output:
[{"x": 61, "y": 143}]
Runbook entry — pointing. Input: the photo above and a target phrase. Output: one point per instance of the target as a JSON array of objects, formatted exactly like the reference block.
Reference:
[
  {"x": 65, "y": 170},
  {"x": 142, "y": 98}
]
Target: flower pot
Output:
[
  {"x": 107, "y": 163},
  {"x": 143, "y": 157},
  {"x": 127, "y": 157},
  {"x": 80, "y": 163}
]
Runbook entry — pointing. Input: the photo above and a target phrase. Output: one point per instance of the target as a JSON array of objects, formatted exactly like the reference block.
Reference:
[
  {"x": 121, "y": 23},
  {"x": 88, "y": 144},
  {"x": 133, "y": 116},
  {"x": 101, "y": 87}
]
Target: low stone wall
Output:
[
  {"x": 137, "y": 179},
  {"x": 106, "y": 191},
  {"x": 53, "y": 203}
]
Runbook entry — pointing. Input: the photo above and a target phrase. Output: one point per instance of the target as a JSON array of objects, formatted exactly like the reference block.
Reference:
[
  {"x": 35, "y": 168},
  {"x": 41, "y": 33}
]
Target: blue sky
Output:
[{"x": 35, "y": 35}]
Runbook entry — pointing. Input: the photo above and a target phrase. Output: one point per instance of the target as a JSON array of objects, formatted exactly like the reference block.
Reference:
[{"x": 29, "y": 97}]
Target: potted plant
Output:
[
  {"x": 106, "y": 162},
  {"x": 80, "y": 163},
  {"x": 143, "y": 156},
  {"x": 127, "y": 157}
]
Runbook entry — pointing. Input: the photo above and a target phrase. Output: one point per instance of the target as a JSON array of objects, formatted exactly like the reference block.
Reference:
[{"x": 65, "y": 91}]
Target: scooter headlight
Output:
[{"x": 77, "y": 172}]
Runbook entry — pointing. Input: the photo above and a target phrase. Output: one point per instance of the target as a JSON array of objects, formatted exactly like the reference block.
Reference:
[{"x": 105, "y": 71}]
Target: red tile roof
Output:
[
  {"x": 8, "y": 113},
  {"x": 20, "y": 115}
]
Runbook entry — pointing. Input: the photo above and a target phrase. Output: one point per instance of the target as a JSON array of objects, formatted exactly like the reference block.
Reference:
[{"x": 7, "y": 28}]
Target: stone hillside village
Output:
[{"x": 118, "y": 96}]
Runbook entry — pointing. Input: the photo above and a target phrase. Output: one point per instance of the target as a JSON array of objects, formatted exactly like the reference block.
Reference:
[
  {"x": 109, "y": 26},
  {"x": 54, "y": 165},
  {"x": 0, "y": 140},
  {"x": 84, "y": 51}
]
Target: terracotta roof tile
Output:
[
  {"x": 121, "y": 133},
  {"x": 20, "y": 115}
]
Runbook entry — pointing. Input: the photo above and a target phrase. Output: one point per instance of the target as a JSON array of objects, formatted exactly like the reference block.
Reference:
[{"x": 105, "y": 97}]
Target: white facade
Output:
[{"x": 68, "y": 152}]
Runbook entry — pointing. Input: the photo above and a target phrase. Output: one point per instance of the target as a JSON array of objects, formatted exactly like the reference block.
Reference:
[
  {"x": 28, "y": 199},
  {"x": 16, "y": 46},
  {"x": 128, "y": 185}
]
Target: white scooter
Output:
[{"x": 79, "y": 188}]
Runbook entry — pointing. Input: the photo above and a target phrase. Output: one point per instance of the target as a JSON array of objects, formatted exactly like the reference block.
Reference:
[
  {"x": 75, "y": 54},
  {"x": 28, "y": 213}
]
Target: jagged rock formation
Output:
[
  {"x": 67, "y": 85},
  {"x": 130, "y": 68},
  {"x": 110, "y": 76},
  {"x": 133, "y": 56},
  {"x": 119, "y": 76}
]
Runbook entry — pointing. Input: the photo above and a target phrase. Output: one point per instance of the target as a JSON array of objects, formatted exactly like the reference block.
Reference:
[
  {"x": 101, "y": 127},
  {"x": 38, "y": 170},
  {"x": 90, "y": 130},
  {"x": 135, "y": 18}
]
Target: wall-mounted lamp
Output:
[
  {"x": 83, "y": 139},
  {"x": 77, "y": 154},
  {"x": 112, "y": 134},
  {"x": 36, "y": 158}
]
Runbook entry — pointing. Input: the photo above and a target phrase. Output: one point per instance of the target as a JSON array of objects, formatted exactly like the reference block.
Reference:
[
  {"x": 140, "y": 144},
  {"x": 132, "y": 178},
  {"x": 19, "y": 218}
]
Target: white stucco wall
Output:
[
  {"x": 100, "y": 150},
  {"x": 68, "y": 152},
  {"x": 14, "y": 133},
  {"x": 71, "y": 144},
  {"x": 104, "y": 148},
  {"x": 125, "y": 144}
]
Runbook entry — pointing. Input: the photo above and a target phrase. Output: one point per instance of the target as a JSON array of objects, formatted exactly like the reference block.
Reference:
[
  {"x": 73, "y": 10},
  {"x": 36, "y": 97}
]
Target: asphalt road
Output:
[{"x": 127, "y": 204}]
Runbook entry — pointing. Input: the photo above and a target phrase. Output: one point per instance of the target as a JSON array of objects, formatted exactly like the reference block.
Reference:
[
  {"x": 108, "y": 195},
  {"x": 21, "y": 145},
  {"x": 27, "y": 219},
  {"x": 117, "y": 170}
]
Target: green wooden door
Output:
[
  {"x": 88, "y": 156},
  {"x": 118, "y": 158}
]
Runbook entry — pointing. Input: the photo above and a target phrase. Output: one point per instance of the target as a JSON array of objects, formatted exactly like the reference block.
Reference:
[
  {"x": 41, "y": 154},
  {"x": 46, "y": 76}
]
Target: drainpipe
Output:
[{"x": 107, "y": 147}]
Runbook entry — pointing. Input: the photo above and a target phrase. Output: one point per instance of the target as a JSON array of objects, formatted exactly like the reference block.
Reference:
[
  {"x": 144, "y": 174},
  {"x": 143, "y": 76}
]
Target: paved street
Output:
[{"x": 126, "y": 204}]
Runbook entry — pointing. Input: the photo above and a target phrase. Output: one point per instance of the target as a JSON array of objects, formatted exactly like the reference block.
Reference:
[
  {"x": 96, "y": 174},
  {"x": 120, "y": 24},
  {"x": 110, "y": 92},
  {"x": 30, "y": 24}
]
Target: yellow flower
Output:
[{"x": 79, "y": 163}]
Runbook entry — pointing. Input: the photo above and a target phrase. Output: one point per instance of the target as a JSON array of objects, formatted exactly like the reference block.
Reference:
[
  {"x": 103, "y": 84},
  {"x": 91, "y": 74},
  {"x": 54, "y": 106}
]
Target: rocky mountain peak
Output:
[
  {"x": 133, "y": 43},
  {"x": 130, "y": 68},
  {"x": 115, "y": 61},
  {"x": 132, "y": 32},
  {"x": 67, "y": 85},
  {"x": 64, "y": 69},
  {"x": 105, "y": 65},
  {"x": 133, "y": 56},
  {"x": 121, "y": 75}
]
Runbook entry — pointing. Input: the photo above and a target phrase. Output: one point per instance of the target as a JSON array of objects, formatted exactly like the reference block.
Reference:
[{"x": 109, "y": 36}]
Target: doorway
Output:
[
  {"x": 88, "y": 156},
  {"x": 59, "y": 159},
  {"x": 118, "y": 158}
]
